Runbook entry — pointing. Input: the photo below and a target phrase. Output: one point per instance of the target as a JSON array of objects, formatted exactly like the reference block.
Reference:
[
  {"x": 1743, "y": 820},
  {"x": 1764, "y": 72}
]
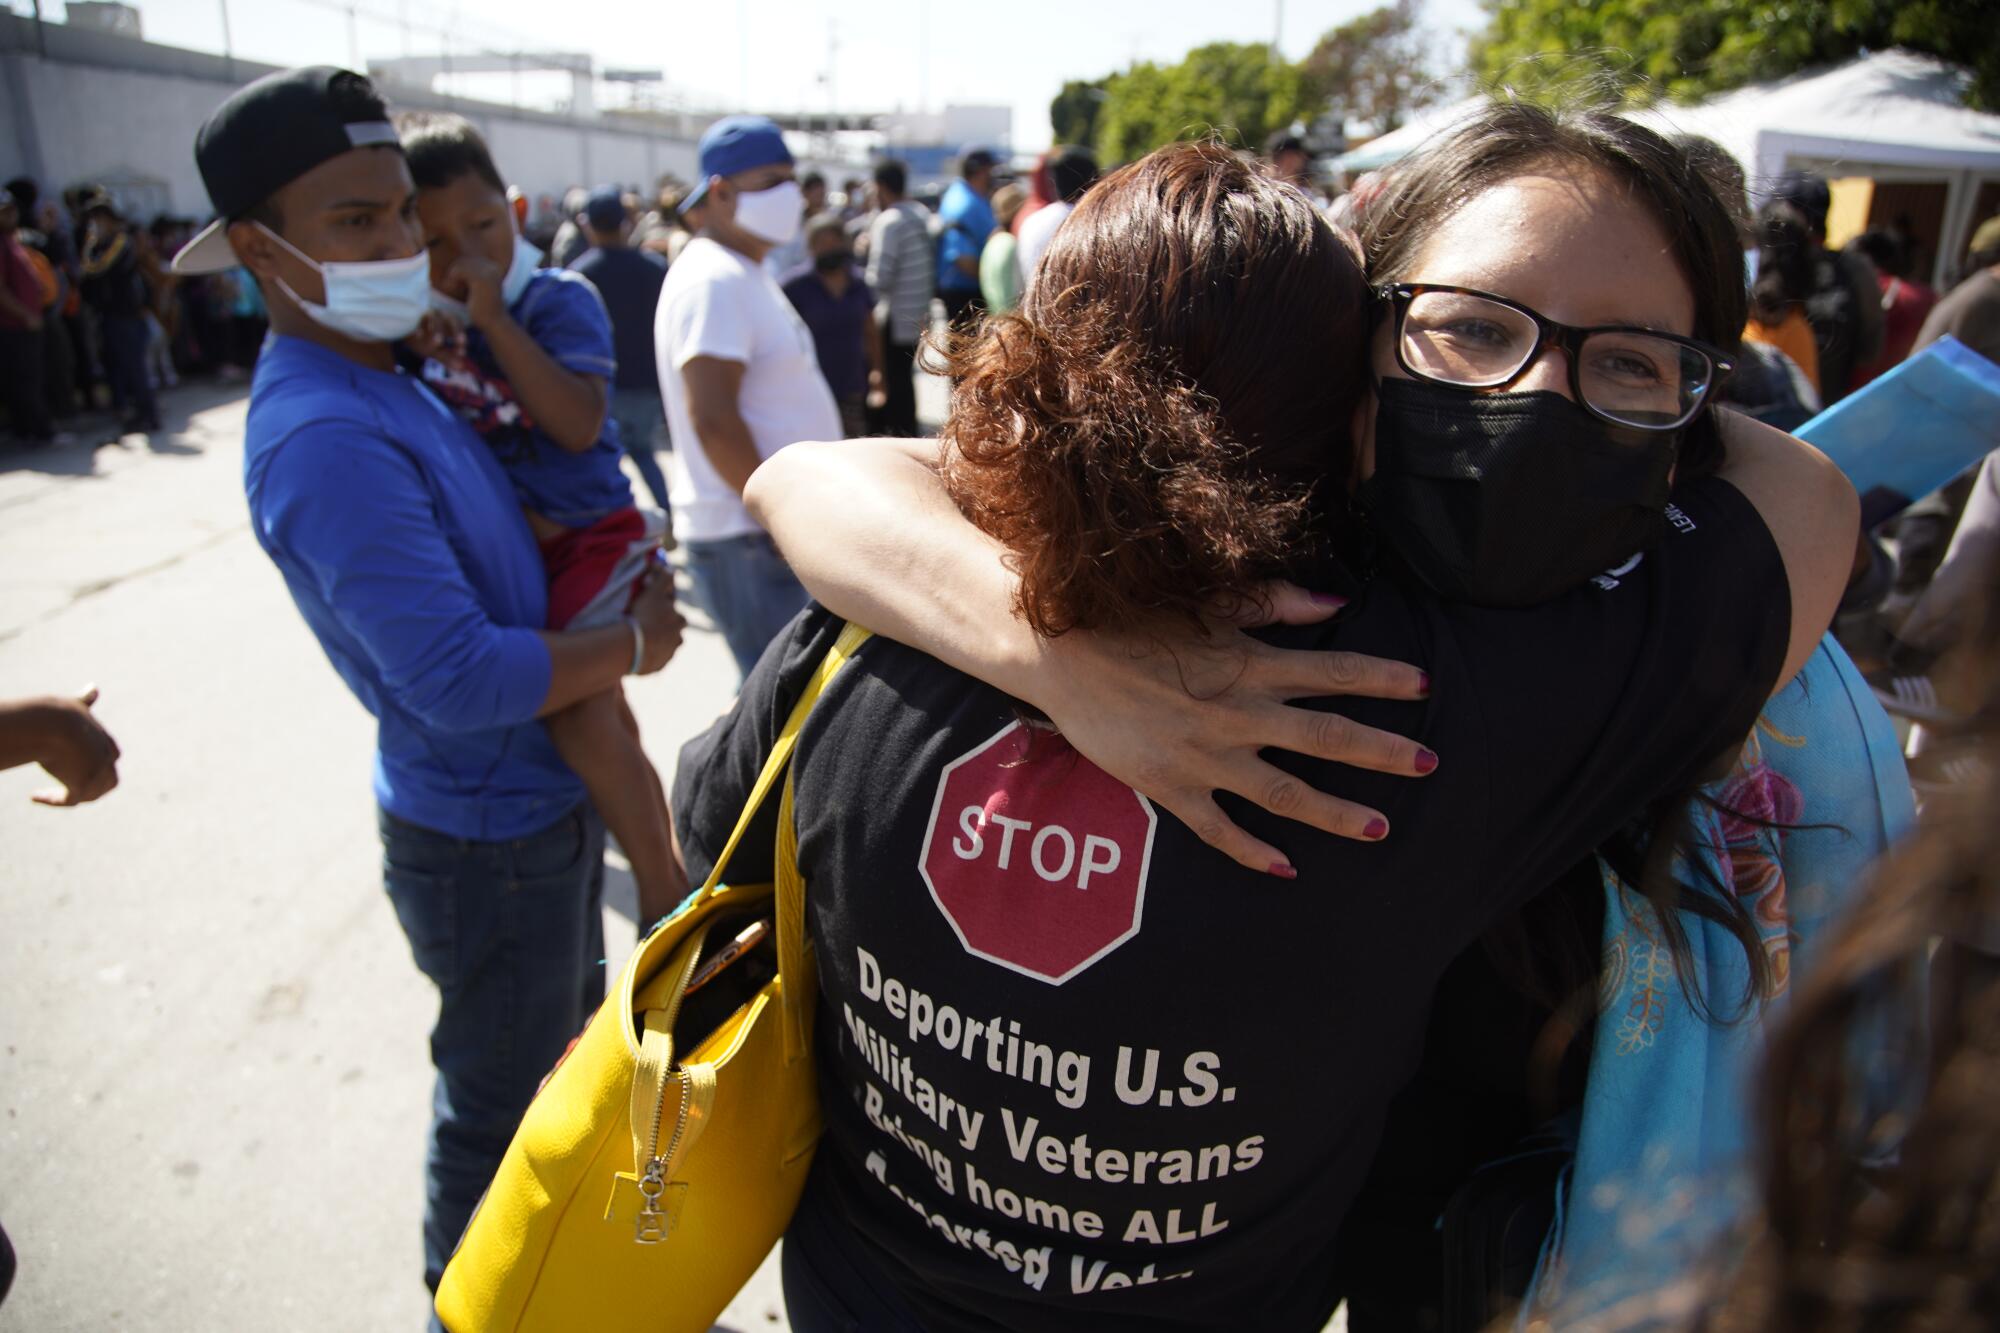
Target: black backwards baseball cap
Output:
[{"x": 270, "y": 133}]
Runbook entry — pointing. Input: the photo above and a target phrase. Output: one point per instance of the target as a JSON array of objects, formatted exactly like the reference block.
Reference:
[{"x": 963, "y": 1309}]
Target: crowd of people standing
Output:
[
  {"x": 93, "y": 320},
  {"x": 1183, "y": 408}
]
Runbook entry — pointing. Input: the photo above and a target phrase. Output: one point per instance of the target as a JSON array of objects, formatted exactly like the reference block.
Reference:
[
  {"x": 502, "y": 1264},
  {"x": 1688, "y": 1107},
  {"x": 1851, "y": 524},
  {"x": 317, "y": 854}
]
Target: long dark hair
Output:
[
  {"x": 1878, "y": 1171},
  {"x": 1164, "y": 421},
  {"x": 1501, "y": 142}
]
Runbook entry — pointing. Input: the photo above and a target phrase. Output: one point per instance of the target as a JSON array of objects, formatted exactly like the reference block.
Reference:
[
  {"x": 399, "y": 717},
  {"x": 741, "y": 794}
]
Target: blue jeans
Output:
[
  {"x": 748, "y": 589},
  {"x": 512, "y": 934},
  {"x": 125, "y": 339},
  {"x": 639, "y": 414}
]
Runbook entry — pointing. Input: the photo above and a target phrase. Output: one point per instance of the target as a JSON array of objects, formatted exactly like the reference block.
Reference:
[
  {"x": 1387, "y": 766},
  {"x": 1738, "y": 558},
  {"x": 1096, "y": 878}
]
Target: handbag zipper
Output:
[{"x": 652, "y": 1222}]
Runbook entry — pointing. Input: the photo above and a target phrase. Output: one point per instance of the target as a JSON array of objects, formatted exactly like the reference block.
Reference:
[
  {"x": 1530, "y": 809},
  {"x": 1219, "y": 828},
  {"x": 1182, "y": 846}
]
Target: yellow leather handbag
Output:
[{"x": 646, "y": 1184}]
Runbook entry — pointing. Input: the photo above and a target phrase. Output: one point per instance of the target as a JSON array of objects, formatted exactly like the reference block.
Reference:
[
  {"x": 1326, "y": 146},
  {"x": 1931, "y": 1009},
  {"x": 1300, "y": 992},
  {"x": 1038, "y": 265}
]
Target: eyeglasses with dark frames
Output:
[{"x": 1623, "y": 374}]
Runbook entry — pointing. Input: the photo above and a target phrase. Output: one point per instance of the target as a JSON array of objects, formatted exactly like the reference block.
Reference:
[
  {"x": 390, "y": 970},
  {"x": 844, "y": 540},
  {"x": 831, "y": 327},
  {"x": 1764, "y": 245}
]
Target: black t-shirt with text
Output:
[{"x": 1081, "y": 1071}]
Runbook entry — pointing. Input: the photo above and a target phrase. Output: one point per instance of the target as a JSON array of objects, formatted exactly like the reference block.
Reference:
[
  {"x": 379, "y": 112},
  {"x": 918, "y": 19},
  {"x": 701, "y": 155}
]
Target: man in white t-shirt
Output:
[
  {"x": 1071, "y": 171},
  {"x": 740, "y": 379}
]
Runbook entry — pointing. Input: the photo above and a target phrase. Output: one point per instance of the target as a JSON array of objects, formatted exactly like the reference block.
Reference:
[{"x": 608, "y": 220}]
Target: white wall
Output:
[
  {"x": 98, "y": 123},
  {"x": 100, "y": 107}
]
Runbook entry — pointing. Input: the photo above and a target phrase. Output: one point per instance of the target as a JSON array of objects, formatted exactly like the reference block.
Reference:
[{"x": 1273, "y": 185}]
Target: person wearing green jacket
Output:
[{"x": 999, "y": 278}]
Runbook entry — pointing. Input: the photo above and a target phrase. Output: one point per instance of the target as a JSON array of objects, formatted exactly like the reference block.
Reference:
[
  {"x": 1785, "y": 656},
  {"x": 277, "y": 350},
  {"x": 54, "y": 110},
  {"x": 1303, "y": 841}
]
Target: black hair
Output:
[
  {"x": 1725, "y": 177},
  {"x": 26, "y": 193},
  {"x": 810, "y": 179},
  {"x": 265, "y": 213},
  {"x": 893, "y": 176},
  {"x": 976, "y": 161},
  {"x": 1071, "y": 172},
  {"x": 1284, "y": 141},
  {"x": 1887, "y": 251},
  {"x": 1784, "y": 262},
  {"x": 1809, "y": 193},
  {"x": 442, "y": 147}
]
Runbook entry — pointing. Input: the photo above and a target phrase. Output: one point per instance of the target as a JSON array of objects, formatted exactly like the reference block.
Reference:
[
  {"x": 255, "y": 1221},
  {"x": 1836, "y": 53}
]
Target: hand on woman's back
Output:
[{"x": 1179, "y": 716}]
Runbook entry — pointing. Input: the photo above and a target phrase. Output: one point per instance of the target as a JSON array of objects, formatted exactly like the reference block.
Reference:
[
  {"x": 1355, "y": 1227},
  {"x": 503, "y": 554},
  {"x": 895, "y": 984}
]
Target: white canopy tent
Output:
[
  {"x": 1383, "y": 149},
  {"x": 1892, "y": 116}
]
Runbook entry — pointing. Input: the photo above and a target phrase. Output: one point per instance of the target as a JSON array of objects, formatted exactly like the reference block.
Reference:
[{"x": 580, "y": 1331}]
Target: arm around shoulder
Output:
[
  {"x": 872, "y": 534},
  {"x": 1813, "y": 515}
]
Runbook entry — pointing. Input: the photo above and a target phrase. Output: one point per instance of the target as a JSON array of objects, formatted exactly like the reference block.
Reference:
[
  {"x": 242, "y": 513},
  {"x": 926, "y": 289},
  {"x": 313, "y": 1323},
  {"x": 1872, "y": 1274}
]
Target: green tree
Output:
[
  {"x": 1374, "y": 68},
  {"x": 1687, "y": 49},
  {"x": 1073, "y": 114},
  {"x": 1238, "y": 91}
]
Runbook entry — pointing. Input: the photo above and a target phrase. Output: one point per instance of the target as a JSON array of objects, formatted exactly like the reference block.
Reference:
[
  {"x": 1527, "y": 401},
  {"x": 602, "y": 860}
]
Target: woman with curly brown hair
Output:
[{"x": 1077, "y": 1070}]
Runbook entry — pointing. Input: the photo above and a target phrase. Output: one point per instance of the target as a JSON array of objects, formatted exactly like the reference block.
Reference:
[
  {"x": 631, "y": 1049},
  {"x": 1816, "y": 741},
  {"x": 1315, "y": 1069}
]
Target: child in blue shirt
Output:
[{"x": 530, "y": 374}]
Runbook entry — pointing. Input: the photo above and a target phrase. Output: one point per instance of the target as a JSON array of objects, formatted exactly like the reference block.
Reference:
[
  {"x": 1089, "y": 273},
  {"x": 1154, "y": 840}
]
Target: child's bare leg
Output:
[
  {"x": 659, "y": 789},
  {"x": 598, "y": 739}
]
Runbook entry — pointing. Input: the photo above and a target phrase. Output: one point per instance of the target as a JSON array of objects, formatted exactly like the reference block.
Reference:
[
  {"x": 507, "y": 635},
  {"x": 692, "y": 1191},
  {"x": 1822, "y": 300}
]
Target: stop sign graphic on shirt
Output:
[{"x": 1037, "y": 856}]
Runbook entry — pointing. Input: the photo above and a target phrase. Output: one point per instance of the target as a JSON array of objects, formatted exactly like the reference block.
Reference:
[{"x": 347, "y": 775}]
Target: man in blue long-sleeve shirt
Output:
[
  {"x": 400, "y": 540},
  {"x": 967, "y": 217}
]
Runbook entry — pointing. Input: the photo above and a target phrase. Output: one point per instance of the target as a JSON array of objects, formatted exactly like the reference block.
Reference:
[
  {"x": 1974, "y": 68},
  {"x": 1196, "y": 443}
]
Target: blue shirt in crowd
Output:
[
  {"x": 968, "y": 221},
  {"x": 402, "y": 544},
  {"x": 565, "y": 316},
  {"x": 629, "y": 281},
  {"x": 839, "y": 326}
]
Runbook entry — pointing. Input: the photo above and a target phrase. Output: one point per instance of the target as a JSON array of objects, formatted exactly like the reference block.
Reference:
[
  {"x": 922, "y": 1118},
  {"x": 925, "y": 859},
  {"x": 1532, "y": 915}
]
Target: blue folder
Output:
[{"x": 1913, "y": 429}]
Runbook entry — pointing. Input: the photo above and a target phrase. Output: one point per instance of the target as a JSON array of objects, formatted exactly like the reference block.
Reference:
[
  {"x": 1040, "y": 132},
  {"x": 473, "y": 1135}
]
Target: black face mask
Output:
[
  {"x": 1509, "y": 499},
  {"x": 832, "y": 261}
]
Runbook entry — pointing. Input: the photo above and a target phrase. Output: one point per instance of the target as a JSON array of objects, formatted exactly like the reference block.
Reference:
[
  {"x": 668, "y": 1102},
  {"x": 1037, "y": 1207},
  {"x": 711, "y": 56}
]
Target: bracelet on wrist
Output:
[{"x": 638, "y": 645}]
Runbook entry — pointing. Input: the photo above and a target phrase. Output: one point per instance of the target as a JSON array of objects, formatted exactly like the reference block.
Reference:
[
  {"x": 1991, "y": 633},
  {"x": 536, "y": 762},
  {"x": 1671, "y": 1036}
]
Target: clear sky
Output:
[{"x": 773, "y": 54}]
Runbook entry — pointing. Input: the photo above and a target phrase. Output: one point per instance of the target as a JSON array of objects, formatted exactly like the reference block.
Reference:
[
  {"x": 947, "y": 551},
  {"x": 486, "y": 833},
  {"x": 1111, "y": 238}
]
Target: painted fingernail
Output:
[
  {"x": 1377, "y": 830},
  {"x": 1424, "y": 683},
  {"x": 1283, "y": 870},
  {"x": 1332, "y": 599},
  {"x": 1426, "y": 760}
]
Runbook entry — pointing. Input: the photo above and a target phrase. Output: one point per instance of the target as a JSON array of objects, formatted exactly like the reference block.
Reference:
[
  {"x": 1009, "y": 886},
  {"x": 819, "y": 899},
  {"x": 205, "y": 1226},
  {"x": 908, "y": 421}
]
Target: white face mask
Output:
[
  {"x": 776, "y": 215},
  {"x": 373, "y": 301},
  {"x": 452, "y": 306},
  {"x": 520, "y": 271},
  {"x": 527, "y": 258}
]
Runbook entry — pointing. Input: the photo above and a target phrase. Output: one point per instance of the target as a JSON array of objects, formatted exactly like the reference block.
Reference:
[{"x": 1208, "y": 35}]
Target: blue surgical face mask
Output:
[{"x": 377, "y": 300}]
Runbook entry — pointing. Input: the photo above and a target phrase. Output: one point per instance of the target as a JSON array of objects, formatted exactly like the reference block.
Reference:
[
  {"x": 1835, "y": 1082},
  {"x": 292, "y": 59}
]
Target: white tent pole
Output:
[{"x": 1956, "y": 234}]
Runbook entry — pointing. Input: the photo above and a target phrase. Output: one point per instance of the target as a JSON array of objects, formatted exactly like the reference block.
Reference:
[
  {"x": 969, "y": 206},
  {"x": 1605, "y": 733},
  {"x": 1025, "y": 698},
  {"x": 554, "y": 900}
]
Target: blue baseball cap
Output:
[
  {"x": 737, "y": 143},
  {"x": 605, "y": 209}
]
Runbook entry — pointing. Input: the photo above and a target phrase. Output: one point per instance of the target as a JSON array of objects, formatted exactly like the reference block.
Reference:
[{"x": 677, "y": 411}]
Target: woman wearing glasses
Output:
[{"x": 1077, "y": 1069}]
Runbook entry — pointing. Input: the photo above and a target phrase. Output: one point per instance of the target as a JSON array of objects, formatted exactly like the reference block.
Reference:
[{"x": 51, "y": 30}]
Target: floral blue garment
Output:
[{"x": 1661, "y": 1173}]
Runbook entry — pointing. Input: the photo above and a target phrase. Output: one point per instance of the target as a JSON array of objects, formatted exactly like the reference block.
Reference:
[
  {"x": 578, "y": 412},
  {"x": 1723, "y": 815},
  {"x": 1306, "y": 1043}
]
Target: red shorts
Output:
[{"x": 582, "y": 562}]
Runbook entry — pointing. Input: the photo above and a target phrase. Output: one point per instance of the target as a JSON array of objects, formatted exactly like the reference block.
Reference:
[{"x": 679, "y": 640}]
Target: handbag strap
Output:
[
  {"x": 852, "y": 636},
  {"x": 655, "y": 1053},
  {"x": 791, "y": 929},
  {"x": 776, "y": 764}
]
